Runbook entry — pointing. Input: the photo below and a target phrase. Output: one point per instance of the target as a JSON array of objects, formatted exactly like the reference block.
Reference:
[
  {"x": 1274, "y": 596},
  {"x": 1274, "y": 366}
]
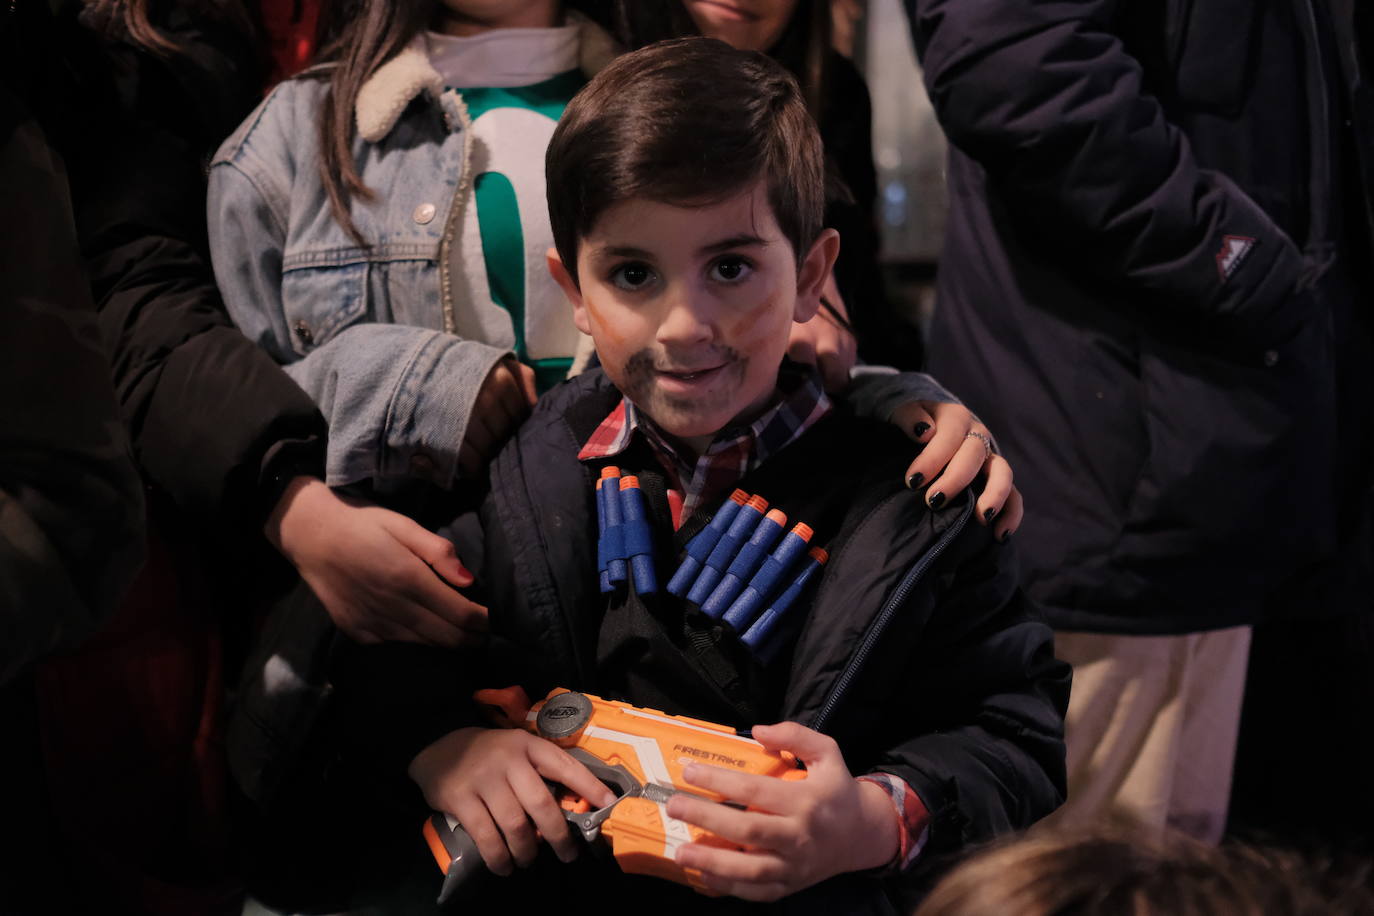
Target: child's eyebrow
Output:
[{"x": 735, "y": 241}]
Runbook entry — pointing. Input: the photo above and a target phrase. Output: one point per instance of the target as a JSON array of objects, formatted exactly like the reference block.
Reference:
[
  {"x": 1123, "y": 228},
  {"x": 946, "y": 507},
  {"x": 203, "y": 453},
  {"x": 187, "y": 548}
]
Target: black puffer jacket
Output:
[
  {"x": 1155, "y": 288},
  {"x": 918, "y": 653}
]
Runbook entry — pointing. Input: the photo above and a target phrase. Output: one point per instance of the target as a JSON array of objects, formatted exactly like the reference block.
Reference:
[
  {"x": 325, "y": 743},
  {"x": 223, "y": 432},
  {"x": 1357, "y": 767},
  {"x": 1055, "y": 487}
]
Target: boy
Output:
[{"x": 685, "y": 188}]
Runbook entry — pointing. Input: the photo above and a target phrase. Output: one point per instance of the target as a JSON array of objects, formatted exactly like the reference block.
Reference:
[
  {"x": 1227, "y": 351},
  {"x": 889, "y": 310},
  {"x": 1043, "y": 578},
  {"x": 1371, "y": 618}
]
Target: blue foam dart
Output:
[
  {"x": 613, "y": 541},
  {"x": 758, "y": 634},
  {"x": 639, "y": 541},
  {"x": 699, "y": 548},
  {"x": 761, "y": 587},
  {"x": 602, "y": 574},
  {"x": 745, "y": 521},
  {"x": 746, "y": 562}
]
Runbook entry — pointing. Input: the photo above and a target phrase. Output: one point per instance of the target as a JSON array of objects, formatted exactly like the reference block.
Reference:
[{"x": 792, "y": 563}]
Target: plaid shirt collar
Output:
[{"x": 799, "y": 403}]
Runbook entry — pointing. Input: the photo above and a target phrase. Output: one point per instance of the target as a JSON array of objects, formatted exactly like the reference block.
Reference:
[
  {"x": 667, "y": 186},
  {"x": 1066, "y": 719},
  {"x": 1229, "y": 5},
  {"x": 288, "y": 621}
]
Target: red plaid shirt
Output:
[
  {"x": 801, "y": 401},
  {"x": 734, "y": 452}
]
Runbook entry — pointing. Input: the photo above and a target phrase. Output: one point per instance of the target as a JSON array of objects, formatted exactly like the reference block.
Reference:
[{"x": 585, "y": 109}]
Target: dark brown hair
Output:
[
  {"x": 357, "y": 37},
  {"x": 803, "y": 47},
  {"x": 1130, "y": 873},
  {"x": 691, "y": 121},
  {"x": 136, "y": 21}
]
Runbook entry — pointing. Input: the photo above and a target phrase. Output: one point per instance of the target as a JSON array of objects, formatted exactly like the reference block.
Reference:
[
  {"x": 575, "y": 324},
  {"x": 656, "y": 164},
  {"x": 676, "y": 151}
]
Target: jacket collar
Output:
[{"x": 387, "y": 92}]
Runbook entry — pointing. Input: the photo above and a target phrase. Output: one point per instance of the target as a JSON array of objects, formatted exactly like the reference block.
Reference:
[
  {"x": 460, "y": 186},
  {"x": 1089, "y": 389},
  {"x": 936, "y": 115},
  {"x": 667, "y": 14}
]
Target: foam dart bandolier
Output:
[
  {"x": 720, "y": 557},
  {"x": 768, "y": 577},
  {"x": 639, "y": 536},
  {"x": 757, "y": 637},
  {"x": 640, "y": 754},
  {"x": 610, "y": 545},
  {"x": 700, "y": 547},
  {"x": 750, "y": 557}
]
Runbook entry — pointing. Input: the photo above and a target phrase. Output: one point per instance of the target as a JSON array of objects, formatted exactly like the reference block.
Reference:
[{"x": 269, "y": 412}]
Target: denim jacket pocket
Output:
[{"x": 319, "y": 302}]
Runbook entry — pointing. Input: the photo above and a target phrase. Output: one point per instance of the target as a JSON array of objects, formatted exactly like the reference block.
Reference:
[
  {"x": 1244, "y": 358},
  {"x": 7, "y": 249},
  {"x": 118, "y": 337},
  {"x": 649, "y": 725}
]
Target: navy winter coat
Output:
[{"x": 1155, "y": 290}]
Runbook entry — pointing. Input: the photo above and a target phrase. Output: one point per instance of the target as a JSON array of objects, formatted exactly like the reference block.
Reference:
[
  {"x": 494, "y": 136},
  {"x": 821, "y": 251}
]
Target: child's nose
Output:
[{"x": 687, "y": 319}]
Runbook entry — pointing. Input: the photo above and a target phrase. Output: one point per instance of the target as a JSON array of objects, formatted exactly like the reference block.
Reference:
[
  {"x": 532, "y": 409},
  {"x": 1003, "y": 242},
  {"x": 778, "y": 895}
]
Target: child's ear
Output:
[
  {"x": 815, "y": 271},
  {"x": 564, "y": 279}
]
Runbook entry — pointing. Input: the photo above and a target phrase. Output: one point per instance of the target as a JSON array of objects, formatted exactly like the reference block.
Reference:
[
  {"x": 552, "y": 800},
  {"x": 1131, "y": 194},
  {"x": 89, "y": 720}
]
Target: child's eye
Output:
[
  {"x": 632, "y": 276},
  {"x": 731, "y": 269}
]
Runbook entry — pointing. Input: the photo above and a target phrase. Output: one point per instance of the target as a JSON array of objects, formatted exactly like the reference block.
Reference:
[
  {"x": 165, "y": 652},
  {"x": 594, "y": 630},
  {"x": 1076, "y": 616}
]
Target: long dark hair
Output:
[
  {"x": 356, "y": 37},
  {"x": 133, "y": 21},
  {"x": 803, "y": 47}
]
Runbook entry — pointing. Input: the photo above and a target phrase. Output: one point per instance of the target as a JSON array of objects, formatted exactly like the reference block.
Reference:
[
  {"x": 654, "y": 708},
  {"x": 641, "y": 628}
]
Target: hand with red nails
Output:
[
  {"x": 957, "y": 448},
  {"x": 381, "y": 576},
  {"x": 492, "y": 781},
  {"x": 795, "y": 833}
]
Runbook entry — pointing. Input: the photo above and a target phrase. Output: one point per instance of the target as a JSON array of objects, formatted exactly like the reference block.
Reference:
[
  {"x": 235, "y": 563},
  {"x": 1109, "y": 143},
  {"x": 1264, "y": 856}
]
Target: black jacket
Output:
[
  {"x": 213, "y": 420},
  {"x": 1155, "y": 289},
  {"x": 918, "y": 653}
]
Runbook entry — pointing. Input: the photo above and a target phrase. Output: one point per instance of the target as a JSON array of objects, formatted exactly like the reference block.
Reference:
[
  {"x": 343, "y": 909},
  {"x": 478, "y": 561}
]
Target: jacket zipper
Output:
[{"x": 889, "y": 609}]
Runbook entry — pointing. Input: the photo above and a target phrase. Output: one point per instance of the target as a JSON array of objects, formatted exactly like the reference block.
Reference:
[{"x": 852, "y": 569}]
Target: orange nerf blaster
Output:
[{"x": 640, "y": 755}]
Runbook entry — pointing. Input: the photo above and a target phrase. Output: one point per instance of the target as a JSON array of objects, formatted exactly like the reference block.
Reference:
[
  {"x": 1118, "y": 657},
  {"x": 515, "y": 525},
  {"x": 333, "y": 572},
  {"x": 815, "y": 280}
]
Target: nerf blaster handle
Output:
[{"x": 640, "y": 754}]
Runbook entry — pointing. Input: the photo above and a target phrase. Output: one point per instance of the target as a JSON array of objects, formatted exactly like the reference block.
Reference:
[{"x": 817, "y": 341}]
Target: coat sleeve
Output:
[
  {"x": 397, "y": 398},
  {"x": 985, "y": 702},
  {"x": 210, "y": 415},
  {"x": 1049, "y": 103},
  {"x": 71, "y": 503}
]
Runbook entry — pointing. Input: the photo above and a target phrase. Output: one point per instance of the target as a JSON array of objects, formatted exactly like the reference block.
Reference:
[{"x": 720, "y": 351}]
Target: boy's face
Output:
[{"x": 691, "y": 307}]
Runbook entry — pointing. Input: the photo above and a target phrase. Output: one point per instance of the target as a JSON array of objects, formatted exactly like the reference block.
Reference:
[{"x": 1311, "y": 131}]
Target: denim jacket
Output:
[
  {"x": 375, "y": 335},
  {"x": 383, "y": 338}
]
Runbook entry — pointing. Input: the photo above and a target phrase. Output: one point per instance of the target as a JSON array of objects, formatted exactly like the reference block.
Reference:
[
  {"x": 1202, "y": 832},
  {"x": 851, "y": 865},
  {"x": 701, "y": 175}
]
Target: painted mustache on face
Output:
[{"x": 641, "y": 367}]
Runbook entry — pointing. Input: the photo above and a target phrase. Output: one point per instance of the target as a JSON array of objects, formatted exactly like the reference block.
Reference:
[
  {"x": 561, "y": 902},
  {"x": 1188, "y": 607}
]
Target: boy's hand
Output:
[
  {"x": 957, "y": 447},
  {"x": 502, "y": 404},
  {"x": 492, "y": 781},
  {"x": 823, "y": 343},
  {"x": 796, "y": 833},
  {"x": 381, "y": 576}
]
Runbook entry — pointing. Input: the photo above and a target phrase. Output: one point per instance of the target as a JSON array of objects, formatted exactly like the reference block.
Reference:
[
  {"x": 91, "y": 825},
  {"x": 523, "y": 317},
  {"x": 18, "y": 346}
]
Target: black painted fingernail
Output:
[
  {"x": 920, "y": 428},
  {"x": 1006, "y": 536},
  {"x": 915, "y": 480},
  {"x": 990, "y": 515},
  {"x": 936, "y": 500}
]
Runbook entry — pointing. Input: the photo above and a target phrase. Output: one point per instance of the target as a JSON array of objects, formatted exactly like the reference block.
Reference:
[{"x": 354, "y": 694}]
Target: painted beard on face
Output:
[{"x": 685, "y": 395}]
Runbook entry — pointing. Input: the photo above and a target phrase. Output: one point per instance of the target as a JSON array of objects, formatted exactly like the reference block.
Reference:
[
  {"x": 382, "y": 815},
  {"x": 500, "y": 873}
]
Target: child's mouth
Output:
[{"x": 686, "y": 379}]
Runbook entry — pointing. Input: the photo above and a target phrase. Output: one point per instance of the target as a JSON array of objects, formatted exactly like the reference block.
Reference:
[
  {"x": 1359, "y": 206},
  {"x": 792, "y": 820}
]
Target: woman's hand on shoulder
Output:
[{"x": 957, "y": 448}]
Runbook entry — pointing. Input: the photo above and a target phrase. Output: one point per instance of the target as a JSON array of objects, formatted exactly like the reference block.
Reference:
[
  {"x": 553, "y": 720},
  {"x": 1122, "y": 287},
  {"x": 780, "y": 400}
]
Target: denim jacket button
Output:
[
  {"x": 424, "y": 213},
  {"x": 303, "y": 332}
]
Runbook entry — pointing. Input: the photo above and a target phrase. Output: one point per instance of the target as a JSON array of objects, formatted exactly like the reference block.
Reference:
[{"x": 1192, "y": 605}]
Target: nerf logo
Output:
[
  {"x": 562, "y": 712},
  {"x": 709, "y": 755},
  {"x": 1234, "y": 248}
]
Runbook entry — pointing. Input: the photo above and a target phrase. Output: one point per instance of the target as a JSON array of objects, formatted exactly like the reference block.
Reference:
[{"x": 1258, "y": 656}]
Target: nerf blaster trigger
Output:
[{"x": 640, "y": 754}]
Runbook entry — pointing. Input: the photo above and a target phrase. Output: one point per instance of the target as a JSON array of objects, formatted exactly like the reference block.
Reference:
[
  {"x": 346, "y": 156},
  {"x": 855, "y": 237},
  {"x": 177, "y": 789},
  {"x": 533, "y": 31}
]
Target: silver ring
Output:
[{"x": 987, "y": 443}]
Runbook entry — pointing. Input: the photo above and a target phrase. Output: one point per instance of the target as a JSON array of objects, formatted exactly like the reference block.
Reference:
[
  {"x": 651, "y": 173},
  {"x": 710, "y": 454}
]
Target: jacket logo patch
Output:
[{"x": 1234, "y": 248}]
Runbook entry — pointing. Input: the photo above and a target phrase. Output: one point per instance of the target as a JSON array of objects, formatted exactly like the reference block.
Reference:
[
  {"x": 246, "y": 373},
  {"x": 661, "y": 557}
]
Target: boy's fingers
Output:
[
  {"x": 452, "y": 606},
  {"x": 555, "y": 765},
  {"x": 1009, "y": 519},
  {"x": 748, "y": 875},
  {"x": 513, "y": 822},
  {"x": 476, "y": 820},
  {"x": 819, "y": 752},
  {"x": 548, "y": 818},
  {"x": 754, "y": 829},
  {"x": 996, "y": 490},
  {"x": 767, "y": 793}
]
